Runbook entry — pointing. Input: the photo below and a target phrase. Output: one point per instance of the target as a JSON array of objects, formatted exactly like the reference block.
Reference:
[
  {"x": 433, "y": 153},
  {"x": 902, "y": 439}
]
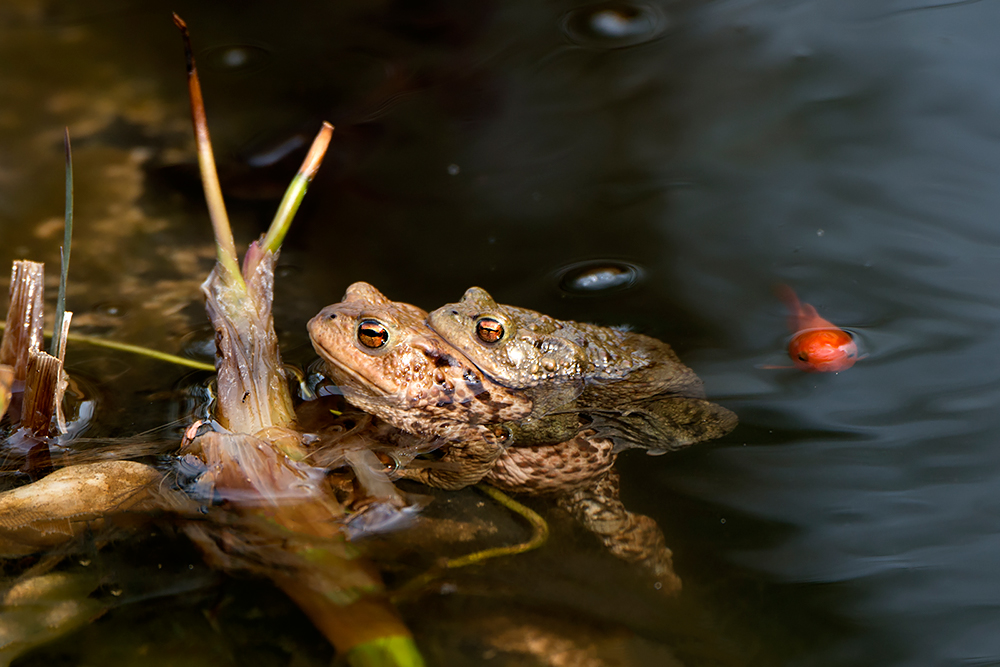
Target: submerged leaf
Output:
[
  {"x": 71, "y": 500},
  {"x": 252, "y": 474},
  {"x": 36, "y": 610}
]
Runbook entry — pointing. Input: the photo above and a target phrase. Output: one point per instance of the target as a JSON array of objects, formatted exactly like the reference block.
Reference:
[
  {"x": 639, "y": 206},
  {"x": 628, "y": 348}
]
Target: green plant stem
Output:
[
  {"x": 224, "y": 243},
  {"x": 386, "y": 652},
  {"x": 540, "y": 531},
  {"x": 297, "y": 190},
  {"x": 144, "y": 351},
  {"x": 134, "y": 349},
  {"x": 539, "y": 535}
]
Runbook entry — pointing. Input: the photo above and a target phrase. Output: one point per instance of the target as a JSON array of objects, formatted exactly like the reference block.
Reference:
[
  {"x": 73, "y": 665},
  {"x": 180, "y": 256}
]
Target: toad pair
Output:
[{"x": 525, "y": 402}]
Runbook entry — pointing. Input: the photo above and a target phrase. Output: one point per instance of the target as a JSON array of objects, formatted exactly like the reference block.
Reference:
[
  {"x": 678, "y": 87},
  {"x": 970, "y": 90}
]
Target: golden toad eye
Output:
[
  {"x": 489, "y": 330},
  {"x": 372, "y": 334}
]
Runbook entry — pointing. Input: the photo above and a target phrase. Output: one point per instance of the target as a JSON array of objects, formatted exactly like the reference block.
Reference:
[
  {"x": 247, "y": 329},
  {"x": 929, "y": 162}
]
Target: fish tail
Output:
[{"x": 791, "y": 301}]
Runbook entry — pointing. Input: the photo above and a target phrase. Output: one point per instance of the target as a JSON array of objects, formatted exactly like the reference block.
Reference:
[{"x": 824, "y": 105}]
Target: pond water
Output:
[{"x": 656, "y": 165}]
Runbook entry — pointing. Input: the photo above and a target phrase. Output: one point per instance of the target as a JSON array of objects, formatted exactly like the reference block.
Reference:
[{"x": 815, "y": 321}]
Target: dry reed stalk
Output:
[{"x": 24, "y": 318}]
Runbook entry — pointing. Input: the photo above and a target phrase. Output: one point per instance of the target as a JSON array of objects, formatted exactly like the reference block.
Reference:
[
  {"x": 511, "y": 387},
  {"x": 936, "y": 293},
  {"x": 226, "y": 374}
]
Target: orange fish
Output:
[{"x": 817, "y": 344}]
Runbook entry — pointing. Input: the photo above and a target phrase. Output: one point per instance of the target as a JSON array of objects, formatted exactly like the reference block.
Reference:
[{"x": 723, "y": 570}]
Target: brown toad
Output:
[
  {"x": 389, "y": 363},
  {"x": 525, "y": 349},
  {"x": 631, "y": 387}
]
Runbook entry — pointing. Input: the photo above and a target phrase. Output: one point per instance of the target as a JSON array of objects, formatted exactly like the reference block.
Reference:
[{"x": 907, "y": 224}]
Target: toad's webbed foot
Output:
[{"x": 635, "y": 538}]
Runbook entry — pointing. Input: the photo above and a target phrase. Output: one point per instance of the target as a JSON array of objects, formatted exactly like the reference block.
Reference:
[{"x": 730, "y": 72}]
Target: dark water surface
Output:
[{"x": 848, "y": 148}]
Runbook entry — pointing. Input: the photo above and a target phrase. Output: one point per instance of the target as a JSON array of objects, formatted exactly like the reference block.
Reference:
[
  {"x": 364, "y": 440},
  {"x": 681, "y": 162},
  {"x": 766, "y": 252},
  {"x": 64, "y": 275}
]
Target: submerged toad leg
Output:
[
  {"x": 579, "y": 475},
  {"x": 634, "y": 538},
  {"x": 463, "y": 464}
]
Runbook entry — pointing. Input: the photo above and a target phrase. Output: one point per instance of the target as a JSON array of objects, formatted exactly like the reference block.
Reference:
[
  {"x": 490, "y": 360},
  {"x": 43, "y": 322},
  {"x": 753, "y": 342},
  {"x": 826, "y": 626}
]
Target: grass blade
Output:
[{"x": 57, "y": 340}]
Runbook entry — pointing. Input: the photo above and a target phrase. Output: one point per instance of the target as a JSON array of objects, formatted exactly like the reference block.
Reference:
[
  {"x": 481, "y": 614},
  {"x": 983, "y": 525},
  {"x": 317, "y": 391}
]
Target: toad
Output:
[
  {"x": 524, "y": 349},
  {"x": 631, "y": 387},
  {"x": 388, "y": 362}
]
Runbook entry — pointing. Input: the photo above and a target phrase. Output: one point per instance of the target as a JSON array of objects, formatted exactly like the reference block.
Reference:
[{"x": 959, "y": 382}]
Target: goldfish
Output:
[{"x": 817, "y": 345}]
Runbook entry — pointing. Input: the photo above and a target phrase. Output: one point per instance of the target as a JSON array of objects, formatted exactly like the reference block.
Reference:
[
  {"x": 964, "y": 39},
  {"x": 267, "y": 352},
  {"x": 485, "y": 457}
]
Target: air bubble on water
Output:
[
  {"x": 614, "y": 25},
  {"x": 598, "y": 276},
  {"x": 237, "y": 57}
]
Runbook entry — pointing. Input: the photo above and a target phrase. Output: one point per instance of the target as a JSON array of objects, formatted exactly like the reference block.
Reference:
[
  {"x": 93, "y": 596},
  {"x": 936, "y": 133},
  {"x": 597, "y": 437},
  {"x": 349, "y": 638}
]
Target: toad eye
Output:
[
  {"x": 489, "y": 330},
  {"x": 803, "y": 356},
  {"x": 372, "y": 334}
]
